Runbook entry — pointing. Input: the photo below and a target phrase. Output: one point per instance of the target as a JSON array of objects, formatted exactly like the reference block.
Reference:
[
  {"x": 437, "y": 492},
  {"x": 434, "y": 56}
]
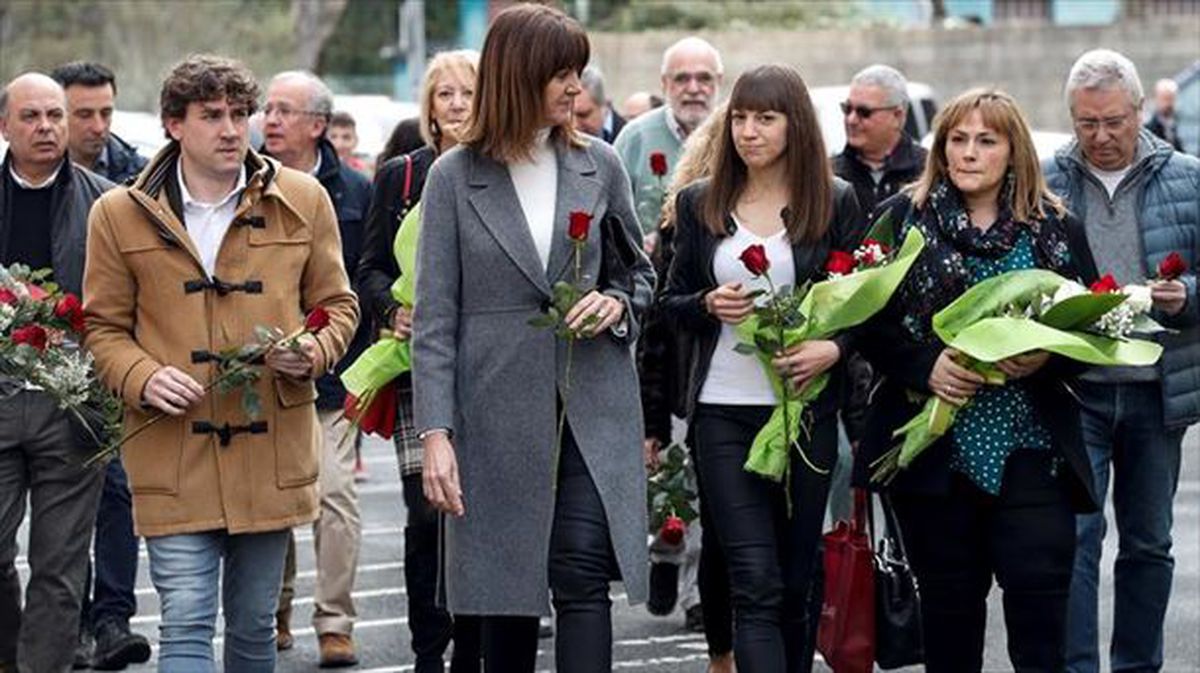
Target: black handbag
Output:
[
  {"x": 898, "y": 640},
  {"x": 618, "y": 256}
]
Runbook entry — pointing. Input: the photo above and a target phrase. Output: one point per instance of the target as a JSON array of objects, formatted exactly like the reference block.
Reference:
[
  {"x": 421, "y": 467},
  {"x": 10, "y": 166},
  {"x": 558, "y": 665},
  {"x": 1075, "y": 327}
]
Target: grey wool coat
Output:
[{"x": 480, "y": 370}]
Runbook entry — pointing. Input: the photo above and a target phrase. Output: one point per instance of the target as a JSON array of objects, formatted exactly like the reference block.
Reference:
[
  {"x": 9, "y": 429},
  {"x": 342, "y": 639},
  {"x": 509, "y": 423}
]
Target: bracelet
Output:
[{"x": 433, "y": 431}]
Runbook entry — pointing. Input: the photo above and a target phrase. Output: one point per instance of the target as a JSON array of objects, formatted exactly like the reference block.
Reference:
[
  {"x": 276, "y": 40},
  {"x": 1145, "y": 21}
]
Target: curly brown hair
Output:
[{"x": 207, "y": 77}]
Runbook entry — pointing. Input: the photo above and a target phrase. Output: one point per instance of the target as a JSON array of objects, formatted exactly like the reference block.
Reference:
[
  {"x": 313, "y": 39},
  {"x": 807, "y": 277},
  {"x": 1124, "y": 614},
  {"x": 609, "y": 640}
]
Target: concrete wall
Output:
[{"x": 1029, "y": 62}]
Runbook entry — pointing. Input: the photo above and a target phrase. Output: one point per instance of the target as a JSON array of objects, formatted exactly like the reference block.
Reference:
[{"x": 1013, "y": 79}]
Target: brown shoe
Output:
[
  {"x": 283, "y": 636},
  {"x": 337, "y": 650}
]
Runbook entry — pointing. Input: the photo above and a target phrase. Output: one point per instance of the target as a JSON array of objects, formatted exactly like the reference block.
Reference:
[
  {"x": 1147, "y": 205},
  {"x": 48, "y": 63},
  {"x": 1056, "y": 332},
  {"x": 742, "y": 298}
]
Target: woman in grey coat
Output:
[{"x": 523, "y": 513}]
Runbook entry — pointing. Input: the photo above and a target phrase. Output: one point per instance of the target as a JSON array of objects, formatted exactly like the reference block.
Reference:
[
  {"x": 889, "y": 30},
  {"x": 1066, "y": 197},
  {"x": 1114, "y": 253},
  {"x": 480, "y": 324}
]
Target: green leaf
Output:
[
  {"x": 745, "y": 349},
  {"x": 545, "y": 320},
  {"x": 755, "y": 294},
  {"x": 1081, "y": 310},
  {"x": 767, "y": 343},
  {"x": 251, "y": 402}
]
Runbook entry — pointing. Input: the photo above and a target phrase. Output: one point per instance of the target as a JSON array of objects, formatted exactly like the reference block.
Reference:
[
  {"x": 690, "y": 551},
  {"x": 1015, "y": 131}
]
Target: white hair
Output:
[
  {"x": 1104, "y": 69},
  {"x": 887, "y": 78},
  {"x": 1166, "y": 85},
  {"x": 692, "y": 42},
  {"x": 592, "y": 80},
  {"x": 320, "y": 98}
]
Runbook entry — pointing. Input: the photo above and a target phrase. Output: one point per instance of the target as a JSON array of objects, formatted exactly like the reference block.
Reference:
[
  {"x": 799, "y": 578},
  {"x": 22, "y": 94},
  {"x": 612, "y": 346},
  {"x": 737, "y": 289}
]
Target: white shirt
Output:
[
  {"x": 734, "y": 378},
  {"x": 536, "y": 183},
  {"x": 1110, "y": 179},
  {"x": 25, "y": 184},
  {"x": 207, "y": 223}
]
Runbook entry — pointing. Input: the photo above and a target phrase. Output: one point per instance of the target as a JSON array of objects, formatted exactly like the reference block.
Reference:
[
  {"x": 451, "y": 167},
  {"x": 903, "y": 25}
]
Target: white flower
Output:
[
  {"x": 1067, "y": 290},
  {"x": 7, "y": 313},
  {"x": 1138, "y": 298}
]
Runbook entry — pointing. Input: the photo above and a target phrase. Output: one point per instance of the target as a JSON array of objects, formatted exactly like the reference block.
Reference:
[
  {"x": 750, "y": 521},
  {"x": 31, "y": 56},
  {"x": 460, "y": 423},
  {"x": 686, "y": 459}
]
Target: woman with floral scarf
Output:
[{"x": 996, "y": 496}]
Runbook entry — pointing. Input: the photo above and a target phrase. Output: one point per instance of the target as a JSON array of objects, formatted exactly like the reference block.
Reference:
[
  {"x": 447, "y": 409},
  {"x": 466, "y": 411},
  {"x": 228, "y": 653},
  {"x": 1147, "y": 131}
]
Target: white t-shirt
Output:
[
  {"x": 734, "y": 378},
  {"x": 1110, "y": 179}
]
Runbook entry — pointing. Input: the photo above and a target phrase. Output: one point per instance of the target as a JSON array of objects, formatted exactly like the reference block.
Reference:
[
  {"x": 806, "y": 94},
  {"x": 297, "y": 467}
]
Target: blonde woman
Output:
[
  {"x": 995, "y": 498},
  {"x": 446, "y": 95}
]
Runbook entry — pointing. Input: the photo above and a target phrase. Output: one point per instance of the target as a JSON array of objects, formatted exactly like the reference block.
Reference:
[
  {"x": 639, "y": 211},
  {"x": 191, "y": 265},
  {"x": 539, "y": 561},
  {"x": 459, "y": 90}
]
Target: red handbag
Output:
[{"x": 846, "y": 634}]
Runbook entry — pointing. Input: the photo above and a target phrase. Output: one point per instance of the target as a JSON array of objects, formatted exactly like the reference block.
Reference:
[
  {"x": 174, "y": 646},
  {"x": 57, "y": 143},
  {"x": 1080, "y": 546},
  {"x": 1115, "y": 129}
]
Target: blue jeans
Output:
[
  {"x": 1125, "y": 438},
  {"x": 186, "y": 570},
  {"x": 112, "y": 596}
]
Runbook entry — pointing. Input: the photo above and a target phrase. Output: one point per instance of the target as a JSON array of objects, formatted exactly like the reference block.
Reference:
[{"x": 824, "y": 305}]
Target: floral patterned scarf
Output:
[{"x": 940, "y": 274}]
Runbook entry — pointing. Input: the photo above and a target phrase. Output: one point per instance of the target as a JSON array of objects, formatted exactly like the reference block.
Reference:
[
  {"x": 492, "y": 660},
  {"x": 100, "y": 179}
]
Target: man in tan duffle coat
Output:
[{"x": 211, "y": 241}]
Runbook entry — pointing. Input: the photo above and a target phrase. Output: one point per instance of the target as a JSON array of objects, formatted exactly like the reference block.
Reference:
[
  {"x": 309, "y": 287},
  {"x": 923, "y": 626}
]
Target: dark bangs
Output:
[
  {"x": 761, "y": 90},
  {"x": 559, "y": 44}
]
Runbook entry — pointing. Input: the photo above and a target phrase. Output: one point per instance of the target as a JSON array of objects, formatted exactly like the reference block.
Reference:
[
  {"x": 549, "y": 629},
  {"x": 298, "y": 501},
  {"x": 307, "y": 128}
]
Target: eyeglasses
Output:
[
  {"x": 1089, "y": 126},
  {"x": 863, "y": 111},
  {"x": 703, "y": 78},
  {"x": 285, "y": 111}
]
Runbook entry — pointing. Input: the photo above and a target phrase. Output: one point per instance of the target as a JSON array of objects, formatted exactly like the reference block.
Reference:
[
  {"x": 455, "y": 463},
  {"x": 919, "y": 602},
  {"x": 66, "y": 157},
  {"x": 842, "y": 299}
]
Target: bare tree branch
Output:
[{"x": 314, "y": 21}]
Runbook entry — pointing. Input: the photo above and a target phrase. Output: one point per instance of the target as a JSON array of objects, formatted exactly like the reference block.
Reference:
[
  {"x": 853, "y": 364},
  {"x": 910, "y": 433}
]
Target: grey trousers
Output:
[{"x": 41, "y": 456}]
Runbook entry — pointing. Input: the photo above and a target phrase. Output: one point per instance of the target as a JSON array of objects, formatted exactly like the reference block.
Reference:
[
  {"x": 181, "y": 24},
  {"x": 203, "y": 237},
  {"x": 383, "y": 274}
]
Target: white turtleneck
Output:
[{"x": 536, "y": 183}]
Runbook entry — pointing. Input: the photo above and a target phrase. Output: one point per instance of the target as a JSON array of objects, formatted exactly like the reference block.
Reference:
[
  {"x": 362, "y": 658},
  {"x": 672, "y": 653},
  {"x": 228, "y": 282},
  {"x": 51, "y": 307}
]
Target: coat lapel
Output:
[
  {"x": 496, "y": 202},
  {"x": 578, "y": 191}
]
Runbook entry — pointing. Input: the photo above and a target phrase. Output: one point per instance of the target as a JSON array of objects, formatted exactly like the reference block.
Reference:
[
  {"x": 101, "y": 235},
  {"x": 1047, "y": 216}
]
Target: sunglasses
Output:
[{"x": 862, "y": 111}]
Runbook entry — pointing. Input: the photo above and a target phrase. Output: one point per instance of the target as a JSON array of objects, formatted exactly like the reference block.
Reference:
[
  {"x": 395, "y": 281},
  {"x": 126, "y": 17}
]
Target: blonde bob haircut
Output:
[
  {"x": 999, "y": 112},
  {"x": 460, "y": 64},
  {"x": 526, "y": 46}
]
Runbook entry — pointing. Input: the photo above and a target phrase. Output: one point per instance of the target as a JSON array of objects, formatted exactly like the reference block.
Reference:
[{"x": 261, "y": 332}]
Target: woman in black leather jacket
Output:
[{"x": 772, "y": 186}]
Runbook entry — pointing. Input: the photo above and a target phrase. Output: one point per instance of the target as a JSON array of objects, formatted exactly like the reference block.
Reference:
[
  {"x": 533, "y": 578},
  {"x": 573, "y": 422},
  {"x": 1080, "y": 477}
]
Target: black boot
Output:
[{"x": 117, "y": 647}]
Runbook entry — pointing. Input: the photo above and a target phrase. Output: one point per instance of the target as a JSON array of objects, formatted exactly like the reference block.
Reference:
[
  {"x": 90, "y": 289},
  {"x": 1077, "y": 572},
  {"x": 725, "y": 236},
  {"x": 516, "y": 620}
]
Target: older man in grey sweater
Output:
[{"x": 1140, "y": 201}]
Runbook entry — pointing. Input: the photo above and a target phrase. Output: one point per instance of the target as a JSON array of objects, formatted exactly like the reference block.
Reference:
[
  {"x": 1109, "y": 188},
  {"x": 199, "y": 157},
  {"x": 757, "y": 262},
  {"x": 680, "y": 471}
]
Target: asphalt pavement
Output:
[{"x": 641, "y": 642}]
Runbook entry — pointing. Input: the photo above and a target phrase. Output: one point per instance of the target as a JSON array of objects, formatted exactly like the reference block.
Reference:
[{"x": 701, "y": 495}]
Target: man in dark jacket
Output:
[
  {"x": 1140, "y": 202},
  {"x": 296, "y": 117},
  {"x": 91, "y": 91},
  {"x": 109, "y": 601},
  {"x": 1163, "y": 123},
  {"x": 44, "y": 205},
  {"x": 878, "y": 158}
]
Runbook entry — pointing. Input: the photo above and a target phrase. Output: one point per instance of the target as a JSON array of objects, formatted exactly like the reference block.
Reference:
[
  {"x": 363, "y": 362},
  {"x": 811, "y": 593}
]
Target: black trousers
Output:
[
  {"x": 770, "y": 551},
  {"x": 1025, "y": 538},
  {"x": 431, "y": 626},
  {"x": 713, "y": 582},
  {"x": 581, "y": 564}
]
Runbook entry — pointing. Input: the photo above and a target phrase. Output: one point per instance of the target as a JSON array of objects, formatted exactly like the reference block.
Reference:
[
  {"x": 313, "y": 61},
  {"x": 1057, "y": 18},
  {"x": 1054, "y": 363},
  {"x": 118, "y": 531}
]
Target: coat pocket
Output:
[
  {"x": 297, "y": 434},
  {"x": 154, "y": 459}
]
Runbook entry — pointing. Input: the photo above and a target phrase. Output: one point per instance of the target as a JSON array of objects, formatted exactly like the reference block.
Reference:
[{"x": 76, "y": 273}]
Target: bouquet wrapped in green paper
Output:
[
  {"x": 859, "y": 285},
  {"x": 370, "y": 382},
  {"x": 1019, "y": 312}
]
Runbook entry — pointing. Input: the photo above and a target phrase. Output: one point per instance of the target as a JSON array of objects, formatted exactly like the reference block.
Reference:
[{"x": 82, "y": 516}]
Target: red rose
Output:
[
  {"x": 32, "y": 335},
  {"x": 1172, "y": 267},
  {"x": 882, "y": 246},
  {"x": 658, "y": 163},
  {"x": 316, "y": 320},
  {"x": 839, "y": 263},
  {"x": 1106, "y": 284},
  {"x": 7, "y": 297},
  {"x": 581, "y": 223},
  {"x": 672, "y": 530},
  {"x": 755, "y": 259},
  {"x": 69, "y": 308}
]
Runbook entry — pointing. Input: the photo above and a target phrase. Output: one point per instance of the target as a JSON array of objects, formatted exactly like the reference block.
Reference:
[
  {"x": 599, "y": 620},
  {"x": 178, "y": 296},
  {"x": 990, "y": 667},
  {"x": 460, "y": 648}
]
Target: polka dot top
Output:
[{"x": 999, "y": 419}]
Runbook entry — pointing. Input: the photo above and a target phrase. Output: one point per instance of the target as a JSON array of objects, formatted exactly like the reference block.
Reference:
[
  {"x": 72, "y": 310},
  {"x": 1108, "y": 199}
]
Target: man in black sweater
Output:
[{"x": 44, "y": 205}]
